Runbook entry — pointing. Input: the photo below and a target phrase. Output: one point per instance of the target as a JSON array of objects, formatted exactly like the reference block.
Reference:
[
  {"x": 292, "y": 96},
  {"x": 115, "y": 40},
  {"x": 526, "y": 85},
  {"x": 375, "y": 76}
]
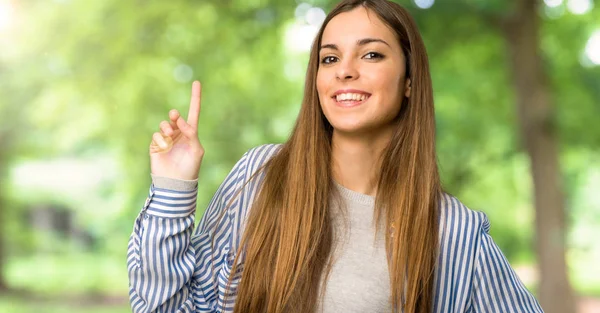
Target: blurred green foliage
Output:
[{"x": 84, "y": 84}]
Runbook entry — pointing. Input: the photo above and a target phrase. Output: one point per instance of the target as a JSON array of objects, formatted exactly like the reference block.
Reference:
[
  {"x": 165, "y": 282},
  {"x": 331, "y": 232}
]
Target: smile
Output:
[{"x": 350, "y": 99}]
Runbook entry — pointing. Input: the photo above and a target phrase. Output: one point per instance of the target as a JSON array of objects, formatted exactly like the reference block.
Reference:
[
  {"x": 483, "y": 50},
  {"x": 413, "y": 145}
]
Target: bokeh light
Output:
[
  {"x": 424, "y": 4},
  {"x": 183, "y": 73},
  {"x": 553, "y": 3},
  {"x": 299, "y": 35},
  {"x": 580, "y": 6},
  {"x": 315, "y": 16},
  {"x": 7, "y": 15},
  {"x": 592, "y": 48}
]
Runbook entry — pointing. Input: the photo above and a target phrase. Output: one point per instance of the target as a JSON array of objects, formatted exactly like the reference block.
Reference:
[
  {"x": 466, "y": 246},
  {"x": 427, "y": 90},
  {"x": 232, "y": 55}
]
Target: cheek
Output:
[
  {"x": 394, "y": 80},
  {"x": 322, "y": 86},
  {"x": 319, "y": 81},
  {"x": 390, "y": 86}
]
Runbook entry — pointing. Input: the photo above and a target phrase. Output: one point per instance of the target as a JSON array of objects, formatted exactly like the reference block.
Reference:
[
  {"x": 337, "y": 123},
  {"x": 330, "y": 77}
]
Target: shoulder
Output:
[
  {"x": 249, "y": 181},
  {"x": 471, "y": 268},
  {"x": 247, "y": 171},
  {"x": 461, "y": 232},
  {"x": 258, "y": 156},
  {"x": 457, "y": 221},
  {"x": 245, "y": 168}
]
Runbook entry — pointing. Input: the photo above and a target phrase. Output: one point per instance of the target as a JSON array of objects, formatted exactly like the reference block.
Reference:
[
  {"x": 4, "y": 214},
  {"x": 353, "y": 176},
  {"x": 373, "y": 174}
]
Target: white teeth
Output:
[{"x": 351, "y": 96}]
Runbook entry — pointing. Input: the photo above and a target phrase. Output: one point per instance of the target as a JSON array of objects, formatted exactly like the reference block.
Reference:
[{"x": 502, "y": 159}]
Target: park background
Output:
[{"x": 84, "y": 84}]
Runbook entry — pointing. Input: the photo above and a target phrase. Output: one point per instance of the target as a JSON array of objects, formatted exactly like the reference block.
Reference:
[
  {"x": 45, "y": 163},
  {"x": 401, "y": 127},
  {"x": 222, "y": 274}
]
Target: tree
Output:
[
  {"x": 3, "y": 284},
  {"x": 538, "y": 131},
  {"x": 518, "y": 24}
]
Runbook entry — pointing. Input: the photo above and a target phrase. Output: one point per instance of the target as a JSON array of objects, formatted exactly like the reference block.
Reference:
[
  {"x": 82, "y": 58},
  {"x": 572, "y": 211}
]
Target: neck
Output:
[{"x": 356, "y": 160}]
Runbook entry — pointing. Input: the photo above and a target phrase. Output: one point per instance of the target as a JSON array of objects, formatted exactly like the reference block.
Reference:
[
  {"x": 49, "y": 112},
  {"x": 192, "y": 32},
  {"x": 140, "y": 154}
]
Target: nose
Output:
[{"x": 347, "y": 70}]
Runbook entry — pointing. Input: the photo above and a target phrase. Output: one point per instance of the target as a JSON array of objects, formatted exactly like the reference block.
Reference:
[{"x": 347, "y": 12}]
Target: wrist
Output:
[{"x": 174, "y": 183}]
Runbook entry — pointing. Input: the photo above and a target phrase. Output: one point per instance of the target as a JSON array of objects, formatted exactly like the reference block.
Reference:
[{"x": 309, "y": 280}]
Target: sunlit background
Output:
[{"x": 84, "y": 84}]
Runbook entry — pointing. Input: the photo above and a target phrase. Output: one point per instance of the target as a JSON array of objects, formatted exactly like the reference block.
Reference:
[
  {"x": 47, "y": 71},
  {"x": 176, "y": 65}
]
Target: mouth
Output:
[{"x": 350, "y": 99}]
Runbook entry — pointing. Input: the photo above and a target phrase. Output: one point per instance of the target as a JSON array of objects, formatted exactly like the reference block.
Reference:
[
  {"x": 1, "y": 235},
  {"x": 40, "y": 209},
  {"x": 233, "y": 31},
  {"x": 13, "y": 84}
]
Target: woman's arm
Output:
[
  {"x": 497, "y": 288},
  {"x": 162, "y": 262}
]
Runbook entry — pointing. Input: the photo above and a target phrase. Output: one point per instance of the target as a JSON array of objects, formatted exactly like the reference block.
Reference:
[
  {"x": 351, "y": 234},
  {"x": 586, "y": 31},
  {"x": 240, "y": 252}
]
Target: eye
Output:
[
  {"x": 373, "y": 55},
  {"x": 328, "y": 60}
]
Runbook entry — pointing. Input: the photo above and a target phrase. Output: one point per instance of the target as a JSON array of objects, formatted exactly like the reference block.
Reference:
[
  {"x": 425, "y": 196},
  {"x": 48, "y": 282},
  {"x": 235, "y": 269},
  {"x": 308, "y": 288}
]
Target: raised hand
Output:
[{"x": 176, "y": 151}]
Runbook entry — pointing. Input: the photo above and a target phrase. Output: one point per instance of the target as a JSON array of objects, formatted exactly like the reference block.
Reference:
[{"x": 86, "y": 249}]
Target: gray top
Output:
[{"x": 359, "y": 280}]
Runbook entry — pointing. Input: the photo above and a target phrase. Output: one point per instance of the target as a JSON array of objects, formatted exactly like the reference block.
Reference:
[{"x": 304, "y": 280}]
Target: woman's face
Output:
[{"x": 361, "y": 76}]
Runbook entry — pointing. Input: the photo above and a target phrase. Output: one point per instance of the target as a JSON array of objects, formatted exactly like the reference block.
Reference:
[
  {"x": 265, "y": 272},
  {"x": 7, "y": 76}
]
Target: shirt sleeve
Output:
[
  {"x": 497, "y": 288},
  {"x": 163, "y": 257}
]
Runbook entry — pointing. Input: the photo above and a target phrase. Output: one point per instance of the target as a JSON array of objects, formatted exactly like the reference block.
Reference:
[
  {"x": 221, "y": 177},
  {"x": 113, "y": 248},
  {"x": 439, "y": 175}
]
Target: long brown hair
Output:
[{"x": 289, "y": 235}]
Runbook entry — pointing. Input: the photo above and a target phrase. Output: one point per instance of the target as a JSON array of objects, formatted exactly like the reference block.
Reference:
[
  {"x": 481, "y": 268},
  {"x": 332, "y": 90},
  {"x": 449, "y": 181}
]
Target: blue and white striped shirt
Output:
[{"x": 173, "y": 268}]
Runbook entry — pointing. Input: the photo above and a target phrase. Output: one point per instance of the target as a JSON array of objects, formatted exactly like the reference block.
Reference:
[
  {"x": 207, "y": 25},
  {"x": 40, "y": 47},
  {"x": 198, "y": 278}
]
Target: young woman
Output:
[{"x": 347, "y": 216}]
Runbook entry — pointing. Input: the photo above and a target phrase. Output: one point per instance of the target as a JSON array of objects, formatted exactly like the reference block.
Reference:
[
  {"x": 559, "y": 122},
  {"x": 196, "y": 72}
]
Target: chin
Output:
[
  {"x": 362, "y": 128},
  {"x": 350, "y": 129}
]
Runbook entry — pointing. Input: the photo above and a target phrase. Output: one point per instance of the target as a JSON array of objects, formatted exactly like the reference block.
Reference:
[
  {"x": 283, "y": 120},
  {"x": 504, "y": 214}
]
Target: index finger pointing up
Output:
[{"x": 194, "y": 112}]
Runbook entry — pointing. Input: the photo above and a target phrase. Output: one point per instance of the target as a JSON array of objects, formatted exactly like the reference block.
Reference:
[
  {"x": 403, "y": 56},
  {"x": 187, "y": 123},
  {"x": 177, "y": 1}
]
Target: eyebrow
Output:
[{"x": 360, "y": 42}]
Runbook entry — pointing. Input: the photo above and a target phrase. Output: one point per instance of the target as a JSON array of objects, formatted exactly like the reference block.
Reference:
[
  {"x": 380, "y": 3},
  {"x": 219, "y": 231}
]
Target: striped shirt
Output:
[{"x": 174, "y": 268}]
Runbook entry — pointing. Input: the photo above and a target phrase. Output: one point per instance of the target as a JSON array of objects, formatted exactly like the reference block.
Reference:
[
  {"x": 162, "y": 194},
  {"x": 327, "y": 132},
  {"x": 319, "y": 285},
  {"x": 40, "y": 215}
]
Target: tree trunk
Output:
[
  {"x": 3, "y": 284},
  {"x": 538, "y": 133}
]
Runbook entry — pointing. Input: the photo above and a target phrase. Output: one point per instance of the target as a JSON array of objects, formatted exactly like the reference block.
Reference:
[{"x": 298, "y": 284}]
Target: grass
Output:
[
  {"x": 19, "y": 304},
  {"x": 68, "y": 274},
  {"x": 86, "y": 283}
]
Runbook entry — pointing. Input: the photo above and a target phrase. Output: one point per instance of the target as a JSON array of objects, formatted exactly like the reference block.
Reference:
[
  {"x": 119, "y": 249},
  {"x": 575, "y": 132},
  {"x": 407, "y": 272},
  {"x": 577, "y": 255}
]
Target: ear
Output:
[{"x": 407, "y": 88}]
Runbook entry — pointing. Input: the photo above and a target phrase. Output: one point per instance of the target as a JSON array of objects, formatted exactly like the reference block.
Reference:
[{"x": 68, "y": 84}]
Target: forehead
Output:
[{"x": 359, "y": 23}]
